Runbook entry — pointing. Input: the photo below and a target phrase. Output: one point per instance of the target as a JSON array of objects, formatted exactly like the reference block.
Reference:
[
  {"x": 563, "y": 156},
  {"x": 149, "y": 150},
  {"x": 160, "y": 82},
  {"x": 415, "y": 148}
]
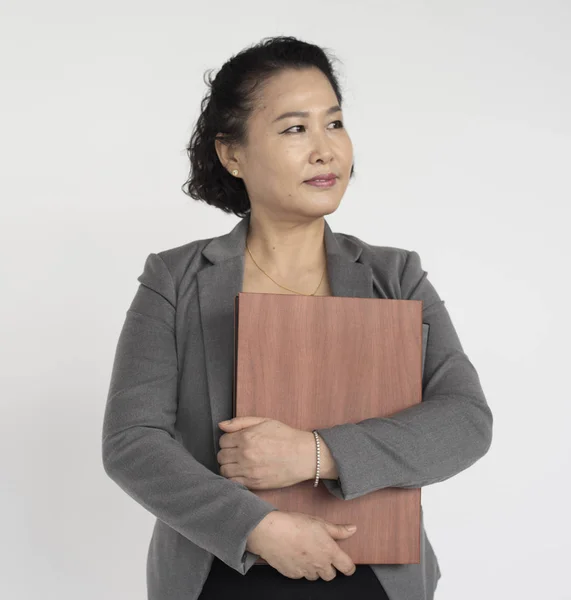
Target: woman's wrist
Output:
[
  {"x": 253, "y": 541},
  {"x": 327, "y": 465}
]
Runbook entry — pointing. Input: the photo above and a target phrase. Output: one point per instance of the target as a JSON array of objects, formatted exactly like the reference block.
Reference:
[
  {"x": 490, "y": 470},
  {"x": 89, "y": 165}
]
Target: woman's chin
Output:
[{"x": 318, "y": 209}]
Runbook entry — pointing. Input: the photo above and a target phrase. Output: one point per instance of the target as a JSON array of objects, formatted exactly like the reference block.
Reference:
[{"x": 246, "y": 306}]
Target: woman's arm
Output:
[
  {"x": 139, "y": 449},
  {"x": 429, "y": 442}
]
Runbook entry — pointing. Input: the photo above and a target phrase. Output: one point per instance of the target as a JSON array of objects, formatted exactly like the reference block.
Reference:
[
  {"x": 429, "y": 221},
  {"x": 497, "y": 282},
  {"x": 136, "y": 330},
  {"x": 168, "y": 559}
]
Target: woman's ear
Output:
[{"x": 225, "y": 154}]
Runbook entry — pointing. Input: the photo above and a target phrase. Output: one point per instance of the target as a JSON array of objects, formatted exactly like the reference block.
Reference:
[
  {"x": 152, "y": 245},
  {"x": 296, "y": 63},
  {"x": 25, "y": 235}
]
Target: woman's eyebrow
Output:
[{"x": 299, "y": 113}]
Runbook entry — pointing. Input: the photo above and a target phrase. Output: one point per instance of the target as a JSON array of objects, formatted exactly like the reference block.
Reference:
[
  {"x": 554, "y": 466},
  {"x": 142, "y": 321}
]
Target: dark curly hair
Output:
[{"x": 227, "y": 106}]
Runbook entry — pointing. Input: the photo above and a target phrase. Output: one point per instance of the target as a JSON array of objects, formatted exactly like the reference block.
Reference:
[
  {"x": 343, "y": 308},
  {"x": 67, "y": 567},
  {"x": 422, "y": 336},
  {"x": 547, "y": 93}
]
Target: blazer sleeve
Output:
[
  {"x": 139, "y": 449},
  {"x": 426, "y": 443}
]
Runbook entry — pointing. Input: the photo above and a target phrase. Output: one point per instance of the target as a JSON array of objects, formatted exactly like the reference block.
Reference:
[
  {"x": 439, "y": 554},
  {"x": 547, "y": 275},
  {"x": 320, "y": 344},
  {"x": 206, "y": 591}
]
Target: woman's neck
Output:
[{"x": 287, "y": 250}]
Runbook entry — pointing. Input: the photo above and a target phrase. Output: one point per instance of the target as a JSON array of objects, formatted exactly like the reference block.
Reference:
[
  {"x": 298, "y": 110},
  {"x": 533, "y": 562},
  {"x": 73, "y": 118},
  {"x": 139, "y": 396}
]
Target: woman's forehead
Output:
[{"x": 296, "y": 95}]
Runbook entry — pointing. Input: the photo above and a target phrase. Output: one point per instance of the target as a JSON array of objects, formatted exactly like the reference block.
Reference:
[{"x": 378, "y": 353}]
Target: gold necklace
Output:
[{"x": 283, "y": 286}]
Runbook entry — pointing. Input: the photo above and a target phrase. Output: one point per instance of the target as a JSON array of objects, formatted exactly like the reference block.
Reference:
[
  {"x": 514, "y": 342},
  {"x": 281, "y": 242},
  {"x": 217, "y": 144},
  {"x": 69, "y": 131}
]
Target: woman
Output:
[{"x": 271, "y": 123}]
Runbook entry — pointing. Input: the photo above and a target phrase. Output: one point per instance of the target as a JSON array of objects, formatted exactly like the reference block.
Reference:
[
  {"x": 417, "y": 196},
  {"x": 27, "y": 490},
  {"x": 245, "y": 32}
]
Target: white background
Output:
[{"x": 459, "y": 114}]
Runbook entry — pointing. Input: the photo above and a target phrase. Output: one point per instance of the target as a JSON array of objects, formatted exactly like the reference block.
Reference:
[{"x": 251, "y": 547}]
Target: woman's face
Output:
[{"x": 282, "y": 153}]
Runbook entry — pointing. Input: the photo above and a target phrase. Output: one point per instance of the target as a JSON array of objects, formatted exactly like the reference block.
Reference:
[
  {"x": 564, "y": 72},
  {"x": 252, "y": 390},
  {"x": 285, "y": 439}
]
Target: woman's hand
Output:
[
  {"x": 264, "y": 453},
  {"x": 300, "y": 545}
]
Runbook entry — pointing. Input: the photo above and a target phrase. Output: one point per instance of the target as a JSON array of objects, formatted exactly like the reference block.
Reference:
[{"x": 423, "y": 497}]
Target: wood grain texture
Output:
[{"x": 319, "y": 361}]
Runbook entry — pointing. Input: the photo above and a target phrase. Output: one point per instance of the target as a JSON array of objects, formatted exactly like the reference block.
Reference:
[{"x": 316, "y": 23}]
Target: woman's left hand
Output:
[{"x": 264, "y": 453}]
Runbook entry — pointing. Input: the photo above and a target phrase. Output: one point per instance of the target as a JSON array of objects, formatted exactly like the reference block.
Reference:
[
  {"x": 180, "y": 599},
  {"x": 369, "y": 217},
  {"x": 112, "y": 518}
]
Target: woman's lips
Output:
[{"x": 323, "y": 183}]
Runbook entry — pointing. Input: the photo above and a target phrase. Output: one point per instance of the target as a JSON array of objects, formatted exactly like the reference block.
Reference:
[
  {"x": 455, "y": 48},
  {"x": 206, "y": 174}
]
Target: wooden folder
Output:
[{"x": 318, "y": 361}]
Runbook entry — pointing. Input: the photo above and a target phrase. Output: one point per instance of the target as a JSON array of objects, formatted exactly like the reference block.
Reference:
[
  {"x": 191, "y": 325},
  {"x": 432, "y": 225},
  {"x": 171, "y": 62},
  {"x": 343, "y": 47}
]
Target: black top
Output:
[{"x": 263, "y": 582}]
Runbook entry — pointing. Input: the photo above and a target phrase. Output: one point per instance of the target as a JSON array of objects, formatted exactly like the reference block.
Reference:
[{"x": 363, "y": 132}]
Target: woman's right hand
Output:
[{"x": 300, "y": 545}]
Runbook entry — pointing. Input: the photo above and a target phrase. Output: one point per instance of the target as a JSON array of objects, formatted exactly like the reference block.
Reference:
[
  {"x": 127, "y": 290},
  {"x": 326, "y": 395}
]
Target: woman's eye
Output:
[
  {"x": 303, "y": 126},
  {"x": 290, "y": 129}
]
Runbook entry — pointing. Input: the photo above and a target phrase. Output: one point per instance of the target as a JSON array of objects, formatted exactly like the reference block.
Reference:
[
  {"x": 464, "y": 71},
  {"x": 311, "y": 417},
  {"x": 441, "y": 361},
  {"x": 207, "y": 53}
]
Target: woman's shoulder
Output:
[
  {"x": 387, "y": 259},
  {"x": 397, "y": 272},
  {"x": 179, "y": 259}
]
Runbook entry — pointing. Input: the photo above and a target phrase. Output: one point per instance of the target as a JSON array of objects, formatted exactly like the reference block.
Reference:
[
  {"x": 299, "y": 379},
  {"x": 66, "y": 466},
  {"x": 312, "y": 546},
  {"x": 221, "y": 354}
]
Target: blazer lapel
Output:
[{"x": 221, "y": 281}]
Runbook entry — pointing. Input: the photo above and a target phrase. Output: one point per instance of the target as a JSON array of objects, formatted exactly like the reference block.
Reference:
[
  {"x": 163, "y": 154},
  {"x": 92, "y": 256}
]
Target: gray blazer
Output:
[{"x": 171, "y": 384}]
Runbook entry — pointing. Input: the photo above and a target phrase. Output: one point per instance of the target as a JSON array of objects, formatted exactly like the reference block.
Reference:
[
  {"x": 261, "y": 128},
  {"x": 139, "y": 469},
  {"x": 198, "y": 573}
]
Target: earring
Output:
[{"x": 235, "y": 172}]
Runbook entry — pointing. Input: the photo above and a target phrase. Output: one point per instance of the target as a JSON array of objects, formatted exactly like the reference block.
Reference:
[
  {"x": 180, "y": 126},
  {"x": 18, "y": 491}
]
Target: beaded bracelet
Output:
[{"x": 318, "y": 457}]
